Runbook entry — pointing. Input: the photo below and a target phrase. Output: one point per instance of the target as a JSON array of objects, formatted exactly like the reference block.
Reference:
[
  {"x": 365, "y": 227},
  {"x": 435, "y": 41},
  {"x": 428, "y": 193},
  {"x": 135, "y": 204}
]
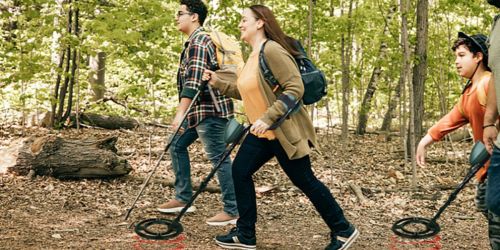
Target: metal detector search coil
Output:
[
  {"x": 431, "y": 228},
  {"x": 478, "y": 157},
  {"x": 172, "y": 229}
]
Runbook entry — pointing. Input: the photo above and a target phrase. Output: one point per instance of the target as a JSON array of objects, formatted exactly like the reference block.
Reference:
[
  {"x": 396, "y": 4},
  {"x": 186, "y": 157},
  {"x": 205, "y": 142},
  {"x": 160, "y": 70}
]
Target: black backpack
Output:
[{"x": 313, "y": 79}]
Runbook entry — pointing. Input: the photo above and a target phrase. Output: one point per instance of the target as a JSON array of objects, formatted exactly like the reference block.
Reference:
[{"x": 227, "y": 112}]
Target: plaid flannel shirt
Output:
[{"x": 198, "y": 55}]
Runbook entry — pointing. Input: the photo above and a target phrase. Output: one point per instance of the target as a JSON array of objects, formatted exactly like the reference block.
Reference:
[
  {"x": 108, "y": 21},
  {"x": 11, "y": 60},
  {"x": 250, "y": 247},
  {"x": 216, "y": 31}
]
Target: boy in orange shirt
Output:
[{"x": 471, "y": 63}]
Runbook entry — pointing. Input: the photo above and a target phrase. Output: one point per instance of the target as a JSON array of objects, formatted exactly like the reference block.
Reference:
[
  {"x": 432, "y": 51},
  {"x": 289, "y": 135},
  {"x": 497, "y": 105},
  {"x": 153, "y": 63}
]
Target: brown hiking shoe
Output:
[
  {"x": 222, "y": 219},
  {"x": 174, "y": 206}
]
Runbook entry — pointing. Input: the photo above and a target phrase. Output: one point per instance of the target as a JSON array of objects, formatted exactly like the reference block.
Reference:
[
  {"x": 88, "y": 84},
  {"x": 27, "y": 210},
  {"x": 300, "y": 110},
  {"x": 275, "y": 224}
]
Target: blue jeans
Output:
[
  {"x": 493, "y": 199},
  {"x": 253, "y": 153},
  {"x": 211, "y": 133}
]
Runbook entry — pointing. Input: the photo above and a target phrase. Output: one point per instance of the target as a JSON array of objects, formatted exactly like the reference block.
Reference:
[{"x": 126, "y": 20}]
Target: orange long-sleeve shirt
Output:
[{"x": 469, "y": 109}]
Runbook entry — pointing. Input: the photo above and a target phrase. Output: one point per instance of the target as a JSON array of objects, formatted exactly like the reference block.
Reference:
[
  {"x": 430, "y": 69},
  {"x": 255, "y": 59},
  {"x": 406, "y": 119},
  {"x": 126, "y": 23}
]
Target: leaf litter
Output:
[{"x": 47, "y": 213}]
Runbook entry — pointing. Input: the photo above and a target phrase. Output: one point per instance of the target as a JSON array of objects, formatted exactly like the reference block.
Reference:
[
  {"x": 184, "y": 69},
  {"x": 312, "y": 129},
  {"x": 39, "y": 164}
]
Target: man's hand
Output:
[
  {"x": 177, "y": 122},
  {"x": 489, "y": 137}
]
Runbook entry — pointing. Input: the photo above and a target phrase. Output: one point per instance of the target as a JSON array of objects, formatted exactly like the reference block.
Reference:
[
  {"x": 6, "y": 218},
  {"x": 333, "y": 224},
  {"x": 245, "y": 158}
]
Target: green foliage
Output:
[{"x": 142, "y": 47}]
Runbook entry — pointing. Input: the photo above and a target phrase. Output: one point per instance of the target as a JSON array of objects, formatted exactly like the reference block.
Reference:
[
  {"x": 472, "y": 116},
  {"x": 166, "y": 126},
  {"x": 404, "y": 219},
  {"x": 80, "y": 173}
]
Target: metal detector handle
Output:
[
  {"x": 212, "y": 93},
  {"x": 478, "y": 157},
  {"x": 198, "y": 93},
  {"x": 171, "y": 139},
  {"x": 214, "y": 99},
  {"x": 473, "y": 170}
]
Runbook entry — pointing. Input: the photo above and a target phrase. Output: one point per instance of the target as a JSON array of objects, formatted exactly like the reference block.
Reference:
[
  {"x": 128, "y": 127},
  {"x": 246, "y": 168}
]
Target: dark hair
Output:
[
  {"x": 198, "y": 7},
  {"x": 272, "y": 28},
  {"x": 472, "y": 47},
  {"x": 495, "y": 3}
]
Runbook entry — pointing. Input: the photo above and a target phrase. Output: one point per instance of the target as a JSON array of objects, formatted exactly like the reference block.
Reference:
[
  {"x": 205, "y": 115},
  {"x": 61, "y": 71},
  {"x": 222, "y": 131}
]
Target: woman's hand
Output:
[
  {"x": 209, "y": 76},
  {"x": 259, "y": 127}
]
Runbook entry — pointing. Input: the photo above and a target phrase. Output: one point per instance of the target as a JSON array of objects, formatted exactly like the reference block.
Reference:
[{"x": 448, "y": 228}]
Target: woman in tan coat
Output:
[{"x": 290, "y": 143}]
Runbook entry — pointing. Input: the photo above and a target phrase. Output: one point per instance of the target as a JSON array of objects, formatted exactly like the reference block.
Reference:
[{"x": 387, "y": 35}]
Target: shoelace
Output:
[{"x": 234, "y": 230}]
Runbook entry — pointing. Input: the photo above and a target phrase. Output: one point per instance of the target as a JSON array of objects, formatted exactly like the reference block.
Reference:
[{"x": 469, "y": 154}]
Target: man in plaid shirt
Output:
[{"x": 206, "y": 119}]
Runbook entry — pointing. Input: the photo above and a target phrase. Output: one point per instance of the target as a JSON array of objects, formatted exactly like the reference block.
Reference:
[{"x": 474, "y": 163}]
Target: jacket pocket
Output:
[{"x": 291, "y": 131}]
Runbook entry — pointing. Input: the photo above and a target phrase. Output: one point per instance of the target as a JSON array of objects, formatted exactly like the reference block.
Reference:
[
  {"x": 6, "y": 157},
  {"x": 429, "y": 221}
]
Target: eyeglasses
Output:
[{"x": 180, "y": 13}]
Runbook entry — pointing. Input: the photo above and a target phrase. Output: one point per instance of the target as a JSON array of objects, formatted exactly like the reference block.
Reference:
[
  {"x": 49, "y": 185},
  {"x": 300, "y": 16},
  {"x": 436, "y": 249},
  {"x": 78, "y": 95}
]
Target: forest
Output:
[{"x": 96, "y": 82}]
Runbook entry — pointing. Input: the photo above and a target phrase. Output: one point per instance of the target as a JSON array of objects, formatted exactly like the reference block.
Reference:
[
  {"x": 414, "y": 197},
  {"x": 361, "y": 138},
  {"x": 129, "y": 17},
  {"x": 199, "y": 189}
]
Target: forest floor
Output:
[{"x": 47, "y": 213}]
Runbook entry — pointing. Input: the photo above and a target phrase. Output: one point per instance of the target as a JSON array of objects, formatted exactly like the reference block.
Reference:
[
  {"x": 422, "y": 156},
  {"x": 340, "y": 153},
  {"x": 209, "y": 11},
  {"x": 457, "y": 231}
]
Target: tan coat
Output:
[{"x": 295, "y": 134}]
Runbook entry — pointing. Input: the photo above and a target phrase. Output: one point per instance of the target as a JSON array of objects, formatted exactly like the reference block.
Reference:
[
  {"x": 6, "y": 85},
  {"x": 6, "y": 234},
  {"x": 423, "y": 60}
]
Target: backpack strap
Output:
[{"x": 266, "y": 71}]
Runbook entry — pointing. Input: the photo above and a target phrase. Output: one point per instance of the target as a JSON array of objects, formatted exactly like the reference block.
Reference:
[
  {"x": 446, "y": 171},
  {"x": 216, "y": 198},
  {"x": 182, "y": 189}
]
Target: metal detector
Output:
[
  {"x": 429, "y": 227},
  {"x": 200, "y": 90},
  {"x": 172, "y": 228}
]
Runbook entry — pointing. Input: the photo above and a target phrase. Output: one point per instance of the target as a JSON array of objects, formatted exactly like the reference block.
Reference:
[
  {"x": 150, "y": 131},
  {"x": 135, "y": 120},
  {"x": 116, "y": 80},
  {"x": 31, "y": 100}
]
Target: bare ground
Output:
[{"x": 47, "y": 213}]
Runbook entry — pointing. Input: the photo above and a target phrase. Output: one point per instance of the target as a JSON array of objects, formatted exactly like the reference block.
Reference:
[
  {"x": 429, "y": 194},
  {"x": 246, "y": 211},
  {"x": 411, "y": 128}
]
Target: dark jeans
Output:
[
  {"x": 493, "y": 199},
  {"x": 253, "y": 153}
]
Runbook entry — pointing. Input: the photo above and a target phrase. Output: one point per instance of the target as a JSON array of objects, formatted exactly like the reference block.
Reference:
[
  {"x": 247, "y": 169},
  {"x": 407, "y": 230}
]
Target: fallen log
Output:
[
  {"x": 64, "y": 158},
  {"x": 105, "y": 121},
  {"x": 89, "y": 119}
]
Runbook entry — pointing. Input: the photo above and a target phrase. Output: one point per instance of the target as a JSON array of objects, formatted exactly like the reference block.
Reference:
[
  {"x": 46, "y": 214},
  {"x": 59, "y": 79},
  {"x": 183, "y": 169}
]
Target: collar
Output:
[{"x": 193, "y": 35}]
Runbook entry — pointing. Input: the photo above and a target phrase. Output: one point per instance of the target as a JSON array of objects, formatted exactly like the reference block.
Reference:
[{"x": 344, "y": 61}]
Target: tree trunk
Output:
[
  {"x": 97, "y": 66},
  {"x": 418, "y": 81},
  {"x": 59, "y": 58},
  {"x": 64, "y": 88},
  {"x": 57, "y": 87},
  {"x": 420, "y": 67},
  {"x": 372, "y": 84},
  {"x": 73, "y": 68},
  {"x": 405, "y": 72},
  {"x": 310, "y": 19},
  {"x": 63, "y": 158},
  {"x": 389, "y": 114},
  {"x": 346, "y": 62}
]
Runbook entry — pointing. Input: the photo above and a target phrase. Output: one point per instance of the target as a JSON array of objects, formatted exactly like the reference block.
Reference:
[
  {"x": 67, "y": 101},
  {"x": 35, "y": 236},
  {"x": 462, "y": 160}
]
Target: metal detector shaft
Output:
[
  {"x": 459, "y": 188},
  {"x": 165, "y": 150},
  {"x": 205, "y": 181}
]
